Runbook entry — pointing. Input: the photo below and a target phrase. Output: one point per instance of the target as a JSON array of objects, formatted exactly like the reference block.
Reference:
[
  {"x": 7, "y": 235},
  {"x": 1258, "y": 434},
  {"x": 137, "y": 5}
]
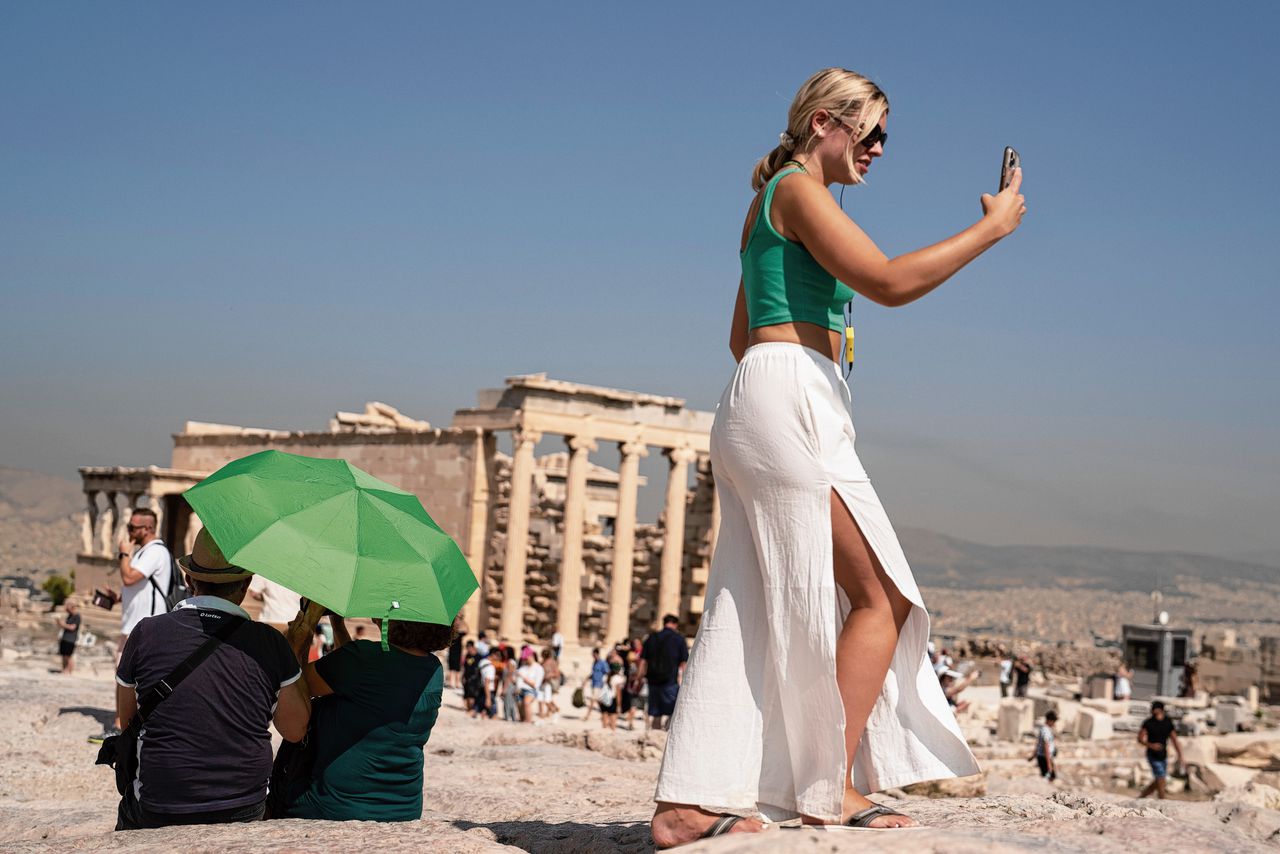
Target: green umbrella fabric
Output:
[{"x": 336, "y": 535}]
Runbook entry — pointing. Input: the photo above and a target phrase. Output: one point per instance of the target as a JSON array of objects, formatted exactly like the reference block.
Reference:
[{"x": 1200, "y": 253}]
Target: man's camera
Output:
[{"x": 105, "y": 598}]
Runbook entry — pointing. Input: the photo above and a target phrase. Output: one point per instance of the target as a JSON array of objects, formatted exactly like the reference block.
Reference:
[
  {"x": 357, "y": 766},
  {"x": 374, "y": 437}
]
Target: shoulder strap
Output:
[
  {"x": 770, "y": 187},
  {"x": 148, "y": 702}
]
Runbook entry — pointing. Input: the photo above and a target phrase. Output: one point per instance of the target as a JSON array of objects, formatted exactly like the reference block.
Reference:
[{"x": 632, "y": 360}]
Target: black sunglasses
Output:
[{"x": 869, "y": 141}]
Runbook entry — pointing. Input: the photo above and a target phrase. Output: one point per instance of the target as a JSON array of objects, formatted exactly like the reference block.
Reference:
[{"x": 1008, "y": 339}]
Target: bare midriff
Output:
[{"x": 826, "y": 341}]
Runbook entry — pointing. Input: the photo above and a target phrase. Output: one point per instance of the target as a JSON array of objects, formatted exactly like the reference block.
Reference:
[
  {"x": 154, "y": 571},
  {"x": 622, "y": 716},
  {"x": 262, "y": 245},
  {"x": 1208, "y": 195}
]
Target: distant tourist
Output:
[
  {"x": 547, "y": 706},
  {"x": 1123, "y": 683},
  {"x": 662, "y": 661},
  {"x": 205, "y": 754},
  {"x": 1189, "y": 684},
  {"x": 510, "y": 687},
  {"x": 1156, "y": 734},
  {"x": 1006, "y": 676},
  {"x": 557, "y": 644},
  {"x": 953, "y": 682},
  {"x": 611, "y": 694},
  {"x": 1046, "y": 747},
  {"x": 360, "y": 629},
  {"x": 453, "y": 678},
  {"x": 145, "y": 572},
  {"x": 482, "y": 644},
  {"x": 486, "y": 702},
  {"x": 69, "y": 634},
  {"x": 1021, "y": 675},
  {"x": 279, "y": 603},
  {"x": 471, "y": 683},
  {"x": 374, "y": 712},
  {"x": 529, "y": 680},
  {"x": 595, "y": 682}
]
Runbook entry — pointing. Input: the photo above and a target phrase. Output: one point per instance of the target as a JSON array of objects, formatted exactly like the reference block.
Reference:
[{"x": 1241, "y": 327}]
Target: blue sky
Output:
[{"x": 263, "y": 213}]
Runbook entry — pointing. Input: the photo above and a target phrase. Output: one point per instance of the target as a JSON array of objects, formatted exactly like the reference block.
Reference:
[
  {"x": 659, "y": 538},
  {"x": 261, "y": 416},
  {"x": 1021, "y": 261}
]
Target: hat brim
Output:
[{"x": 213, "y": 576}]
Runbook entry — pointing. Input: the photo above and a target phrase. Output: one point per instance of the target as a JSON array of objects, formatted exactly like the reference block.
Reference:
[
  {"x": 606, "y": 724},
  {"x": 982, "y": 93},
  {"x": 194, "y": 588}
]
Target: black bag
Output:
[
  {"x": 293, "y": 765},
  {"x": 121, "y": 751}
]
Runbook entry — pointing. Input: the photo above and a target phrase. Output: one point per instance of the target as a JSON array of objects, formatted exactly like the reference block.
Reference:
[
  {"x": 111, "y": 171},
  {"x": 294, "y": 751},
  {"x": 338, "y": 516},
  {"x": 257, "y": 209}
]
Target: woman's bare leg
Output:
[
  {"x": 866, "y": 642},
  {"x": 676, "y": 824}
]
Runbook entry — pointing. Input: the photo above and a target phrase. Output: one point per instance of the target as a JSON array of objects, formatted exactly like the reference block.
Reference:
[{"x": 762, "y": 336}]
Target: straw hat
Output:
[{"x": 206, "y": 563}]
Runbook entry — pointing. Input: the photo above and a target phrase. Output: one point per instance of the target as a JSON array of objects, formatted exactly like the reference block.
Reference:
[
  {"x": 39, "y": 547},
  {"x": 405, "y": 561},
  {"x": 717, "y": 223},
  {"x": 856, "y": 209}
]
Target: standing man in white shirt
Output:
[
  {"x": 145, "y": 571},
  {"x": 144, "y": 559}
]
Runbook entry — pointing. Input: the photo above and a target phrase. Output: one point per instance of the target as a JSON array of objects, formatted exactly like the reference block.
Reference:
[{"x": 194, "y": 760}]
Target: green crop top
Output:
[{"x": 783, "y": 282}]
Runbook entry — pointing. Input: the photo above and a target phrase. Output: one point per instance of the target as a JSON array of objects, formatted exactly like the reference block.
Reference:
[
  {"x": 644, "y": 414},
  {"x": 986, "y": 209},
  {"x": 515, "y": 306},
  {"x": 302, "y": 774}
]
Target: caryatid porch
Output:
[{"x": 532, "y": 407}]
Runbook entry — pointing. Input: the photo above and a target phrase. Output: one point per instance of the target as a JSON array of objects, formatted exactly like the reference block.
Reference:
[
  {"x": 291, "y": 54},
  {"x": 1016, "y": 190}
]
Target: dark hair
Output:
[
  {"x": 424, "y": 637},
  {"x": 224, "y": 590},
  {"x": 148, "y": 513},
  {"x": 595, "y": 650},
  {"x": 1050, "y": 716},
  {"x": 670, "y": 618},
  {"x": 1157, "y": 705}
]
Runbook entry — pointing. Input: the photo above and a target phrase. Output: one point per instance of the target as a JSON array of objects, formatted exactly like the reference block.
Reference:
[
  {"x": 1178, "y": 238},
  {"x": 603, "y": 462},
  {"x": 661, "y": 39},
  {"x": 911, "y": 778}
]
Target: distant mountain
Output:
[
  {"x": 39, "y": 522},
  {"x": 943, "y": 561}
]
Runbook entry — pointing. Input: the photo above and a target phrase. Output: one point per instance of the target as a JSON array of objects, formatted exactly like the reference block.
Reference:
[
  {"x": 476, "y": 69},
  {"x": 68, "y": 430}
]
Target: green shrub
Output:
[{"x": 59, "y": 587}]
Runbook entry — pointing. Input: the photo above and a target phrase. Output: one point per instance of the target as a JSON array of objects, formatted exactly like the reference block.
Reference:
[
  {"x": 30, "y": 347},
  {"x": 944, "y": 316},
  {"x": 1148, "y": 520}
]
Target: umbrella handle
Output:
[{"x": 301, "y": 630}]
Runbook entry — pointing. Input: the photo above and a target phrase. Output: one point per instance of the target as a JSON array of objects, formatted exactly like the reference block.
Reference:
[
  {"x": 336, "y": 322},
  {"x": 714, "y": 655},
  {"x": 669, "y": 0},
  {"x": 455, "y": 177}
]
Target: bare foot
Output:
[{"x": 677, "y": 824}]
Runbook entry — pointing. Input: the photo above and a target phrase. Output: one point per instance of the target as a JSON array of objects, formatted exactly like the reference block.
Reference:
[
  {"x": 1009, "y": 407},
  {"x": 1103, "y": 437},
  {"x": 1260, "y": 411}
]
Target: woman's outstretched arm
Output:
[{"x": 844, "y": 249}]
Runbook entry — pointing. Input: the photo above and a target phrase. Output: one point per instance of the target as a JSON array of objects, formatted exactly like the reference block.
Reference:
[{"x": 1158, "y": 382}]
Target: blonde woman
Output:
[{"x": 808, "y": 686}]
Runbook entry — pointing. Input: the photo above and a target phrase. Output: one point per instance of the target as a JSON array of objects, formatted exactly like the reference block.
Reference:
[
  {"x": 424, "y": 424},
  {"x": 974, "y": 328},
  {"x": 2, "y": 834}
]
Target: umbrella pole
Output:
[{"x": 301, "y": 630}]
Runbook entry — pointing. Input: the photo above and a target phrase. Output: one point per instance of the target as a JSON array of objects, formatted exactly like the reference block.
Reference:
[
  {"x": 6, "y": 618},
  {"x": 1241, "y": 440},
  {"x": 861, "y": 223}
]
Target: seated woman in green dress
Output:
[{"x": 374, "y": 712}]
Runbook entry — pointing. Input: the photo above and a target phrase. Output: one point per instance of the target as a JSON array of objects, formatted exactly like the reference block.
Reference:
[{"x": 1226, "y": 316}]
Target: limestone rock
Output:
[{"x": 1093, "y": 725}]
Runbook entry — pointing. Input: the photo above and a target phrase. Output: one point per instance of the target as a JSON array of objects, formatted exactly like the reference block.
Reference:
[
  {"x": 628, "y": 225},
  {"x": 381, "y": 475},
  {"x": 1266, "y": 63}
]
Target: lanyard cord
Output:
[{"x": 848, "y": 319}]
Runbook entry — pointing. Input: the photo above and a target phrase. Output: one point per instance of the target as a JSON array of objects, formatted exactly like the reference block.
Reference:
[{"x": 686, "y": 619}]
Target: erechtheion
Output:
[{"x": 553, "y": 540}]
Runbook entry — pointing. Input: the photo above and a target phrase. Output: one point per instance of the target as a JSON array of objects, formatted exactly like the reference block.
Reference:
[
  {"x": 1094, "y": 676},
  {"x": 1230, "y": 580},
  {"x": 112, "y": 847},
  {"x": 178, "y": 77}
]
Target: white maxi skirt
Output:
[{"x": 758, "y": 724}]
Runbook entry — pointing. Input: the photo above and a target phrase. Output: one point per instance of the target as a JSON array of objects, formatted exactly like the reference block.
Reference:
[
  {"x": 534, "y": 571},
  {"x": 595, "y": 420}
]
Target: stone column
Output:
[
  {"x": 478, "y": 526},
  {"x": 110, "y": 522},
  {"x": 511, "y": 622},
  {"x": 89, "y": 529},
  {"x": 575, "y": 507},
  {"x": 673, "y": 535},
  {"x": 624, "y": 542}
]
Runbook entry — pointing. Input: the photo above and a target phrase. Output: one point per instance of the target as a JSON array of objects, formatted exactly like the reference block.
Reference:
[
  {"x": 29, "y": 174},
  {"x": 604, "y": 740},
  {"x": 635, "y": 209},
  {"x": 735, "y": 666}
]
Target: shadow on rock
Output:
[
  {"x": 545, "y": 836},
  {"x": 105, "y": 717}
]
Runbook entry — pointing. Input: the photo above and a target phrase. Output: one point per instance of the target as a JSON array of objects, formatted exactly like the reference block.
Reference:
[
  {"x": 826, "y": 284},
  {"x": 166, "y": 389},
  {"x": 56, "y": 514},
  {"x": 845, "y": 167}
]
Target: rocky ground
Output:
[{"x": 565, "y": 786}]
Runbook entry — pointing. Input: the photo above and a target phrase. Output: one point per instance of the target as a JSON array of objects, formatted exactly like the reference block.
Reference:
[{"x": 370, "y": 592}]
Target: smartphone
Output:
[{"x": 1008, "y": 163}]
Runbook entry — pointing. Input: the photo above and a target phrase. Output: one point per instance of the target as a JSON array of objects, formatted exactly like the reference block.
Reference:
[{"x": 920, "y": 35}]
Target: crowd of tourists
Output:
[{"x": 499, "y": 680}]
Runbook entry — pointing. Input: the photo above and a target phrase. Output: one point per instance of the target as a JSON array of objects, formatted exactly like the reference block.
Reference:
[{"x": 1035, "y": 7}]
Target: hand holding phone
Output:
[{"x": 1006, "y": 208}]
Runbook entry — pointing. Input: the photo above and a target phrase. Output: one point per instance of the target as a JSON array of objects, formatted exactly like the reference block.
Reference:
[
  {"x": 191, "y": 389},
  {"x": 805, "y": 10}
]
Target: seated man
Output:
[{"x": 204, "y": 754}]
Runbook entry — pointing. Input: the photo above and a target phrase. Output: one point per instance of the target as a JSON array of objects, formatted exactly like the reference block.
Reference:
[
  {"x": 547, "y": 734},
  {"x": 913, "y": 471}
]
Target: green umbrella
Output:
[{"x": 336, "y": 535}]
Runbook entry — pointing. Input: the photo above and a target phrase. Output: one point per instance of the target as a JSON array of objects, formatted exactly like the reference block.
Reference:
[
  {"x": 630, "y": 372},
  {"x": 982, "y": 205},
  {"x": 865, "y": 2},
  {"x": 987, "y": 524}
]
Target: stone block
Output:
[
  {"x": 1217, "y": 776},
  {"x": 1199, "y": 750},
  {"x": 1115, "y": 708},
  {"x": 1093, "y": 725},
  {"x": 1016, "y": 717},
  {"x": 1228, "y": 717},
  {"x": 1100, "y": 688}
]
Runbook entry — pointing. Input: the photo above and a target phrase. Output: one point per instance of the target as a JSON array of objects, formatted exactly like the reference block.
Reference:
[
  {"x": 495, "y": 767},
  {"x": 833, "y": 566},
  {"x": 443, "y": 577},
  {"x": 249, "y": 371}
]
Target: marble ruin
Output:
[{"x": 554, "y": 540}]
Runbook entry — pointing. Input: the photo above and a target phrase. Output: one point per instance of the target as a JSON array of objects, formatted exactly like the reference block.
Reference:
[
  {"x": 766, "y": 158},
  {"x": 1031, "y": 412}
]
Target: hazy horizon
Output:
[{"x": 261, "y": 215}]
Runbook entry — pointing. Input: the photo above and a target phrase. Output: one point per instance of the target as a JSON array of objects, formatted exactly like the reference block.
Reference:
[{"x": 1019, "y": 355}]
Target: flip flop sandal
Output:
[
  {"x": 862, "y": 821},
  {"x": 721, "y": 826}
]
